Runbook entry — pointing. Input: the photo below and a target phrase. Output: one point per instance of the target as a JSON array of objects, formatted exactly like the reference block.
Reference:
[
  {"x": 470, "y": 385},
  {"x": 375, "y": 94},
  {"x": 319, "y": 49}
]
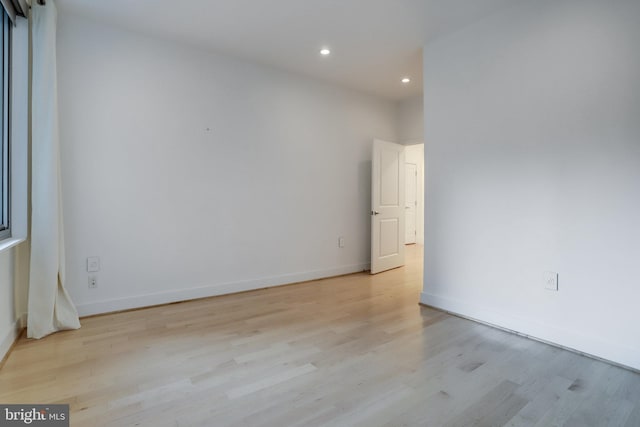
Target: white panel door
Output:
[
  {"x": 387, "y": 210},
  {"x": 411, "y": 202}
]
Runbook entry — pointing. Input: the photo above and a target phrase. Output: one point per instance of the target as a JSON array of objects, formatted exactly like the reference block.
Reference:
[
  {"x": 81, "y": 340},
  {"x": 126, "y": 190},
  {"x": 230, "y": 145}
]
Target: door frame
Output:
[{"x": 415, "y": 206}]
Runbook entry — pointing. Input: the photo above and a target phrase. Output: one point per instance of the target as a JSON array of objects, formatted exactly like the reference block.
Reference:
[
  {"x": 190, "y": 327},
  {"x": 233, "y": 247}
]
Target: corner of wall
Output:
[{"x": 12, "y": 335}]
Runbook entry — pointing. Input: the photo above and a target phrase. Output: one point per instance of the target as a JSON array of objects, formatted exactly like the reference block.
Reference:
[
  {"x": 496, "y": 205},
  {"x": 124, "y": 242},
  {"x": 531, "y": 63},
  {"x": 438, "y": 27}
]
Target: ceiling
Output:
[{"x": 374, "y": 43}]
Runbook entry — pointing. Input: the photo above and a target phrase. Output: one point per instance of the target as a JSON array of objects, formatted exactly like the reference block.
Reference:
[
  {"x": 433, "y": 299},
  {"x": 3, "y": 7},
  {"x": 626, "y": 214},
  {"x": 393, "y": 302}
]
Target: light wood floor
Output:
[{"x": 350, "y": 351}]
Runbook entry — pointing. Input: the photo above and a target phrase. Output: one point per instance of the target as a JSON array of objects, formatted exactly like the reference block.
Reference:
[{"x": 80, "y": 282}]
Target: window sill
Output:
[{"x": 9, "y": 243}]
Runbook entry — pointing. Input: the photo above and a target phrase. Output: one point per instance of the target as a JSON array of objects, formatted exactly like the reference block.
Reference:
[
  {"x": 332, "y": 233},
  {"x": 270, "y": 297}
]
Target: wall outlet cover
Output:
[{"x": 551, "y": 280}]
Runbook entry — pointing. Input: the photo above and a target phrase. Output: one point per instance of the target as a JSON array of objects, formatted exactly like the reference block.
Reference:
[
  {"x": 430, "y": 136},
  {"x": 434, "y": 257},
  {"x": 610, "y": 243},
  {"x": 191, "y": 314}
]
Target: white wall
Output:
[
  {"x": 533, "y": 164},
  {"x": 13, "y": 294},
  {"x": 194, "y": 174},
  {"x": 7, "y": 306},
  {"x": 14, "y": 252},
  {"x": 411, "y": 120}
]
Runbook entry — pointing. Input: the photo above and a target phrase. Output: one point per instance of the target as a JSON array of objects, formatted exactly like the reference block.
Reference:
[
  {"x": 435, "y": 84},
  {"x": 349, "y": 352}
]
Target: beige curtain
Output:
[{"x": 50, "y": 307}]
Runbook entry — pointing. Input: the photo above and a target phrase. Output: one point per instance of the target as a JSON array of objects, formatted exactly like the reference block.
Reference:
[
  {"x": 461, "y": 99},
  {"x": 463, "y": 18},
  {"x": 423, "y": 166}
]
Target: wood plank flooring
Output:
[{"x": 350, "y": 351}]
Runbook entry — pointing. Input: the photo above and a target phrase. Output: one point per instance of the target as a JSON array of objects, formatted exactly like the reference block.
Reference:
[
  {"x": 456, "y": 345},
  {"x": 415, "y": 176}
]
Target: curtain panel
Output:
[
  {"x": 50, "y": 307},
  {"x": 15, "y": 8}
]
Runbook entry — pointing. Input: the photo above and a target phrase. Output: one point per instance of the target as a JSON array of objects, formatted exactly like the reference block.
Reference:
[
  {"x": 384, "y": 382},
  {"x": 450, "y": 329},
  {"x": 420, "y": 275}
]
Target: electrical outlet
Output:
[
  {"x": 93, "y": 282},
  {"x": 93, "y": 264},
  {"x": 551, "y": 280},
  {"x": 341, "y": 242}
]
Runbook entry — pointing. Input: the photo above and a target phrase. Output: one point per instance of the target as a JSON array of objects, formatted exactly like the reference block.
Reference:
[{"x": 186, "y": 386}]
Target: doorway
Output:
[
  {"x": 397, "y": 202},
  {"x": 410, "y": 203},
  {"x": 414, "y": 198}
]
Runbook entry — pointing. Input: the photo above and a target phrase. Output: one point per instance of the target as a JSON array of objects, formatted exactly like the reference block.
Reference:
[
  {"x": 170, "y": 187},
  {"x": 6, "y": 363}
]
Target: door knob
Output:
[{"x": 375, "y": 213}]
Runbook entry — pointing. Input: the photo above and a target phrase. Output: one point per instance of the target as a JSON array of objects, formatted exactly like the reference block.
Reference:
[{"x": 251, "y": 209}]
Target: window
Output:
[{"x": 5, "y": 29}]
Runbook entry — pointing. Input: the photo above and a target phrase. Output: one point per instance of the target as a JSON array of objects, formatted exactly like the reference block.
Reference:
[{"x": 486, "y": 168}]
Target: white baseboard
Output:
[
  {"x": 11, "y": 336},
  {"x": 165, "y": 297},
  {"x": 588, "y": 345}
]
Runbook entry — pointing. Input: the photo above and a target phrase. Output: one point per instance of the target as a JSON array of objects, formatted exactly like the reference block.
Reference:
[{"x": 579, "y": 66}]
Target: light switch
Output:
[{"x": 93, "y": 264}]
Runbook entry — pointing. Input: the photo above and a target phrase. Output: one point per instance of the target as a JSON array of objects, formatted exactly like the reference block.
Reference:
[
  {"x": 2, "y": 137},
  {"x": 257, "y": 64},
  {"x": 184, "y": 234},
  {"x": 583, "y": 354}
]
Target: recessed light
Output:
[
  {"x": 324, "y": 51},
  {"x": 406, "y": 80}
]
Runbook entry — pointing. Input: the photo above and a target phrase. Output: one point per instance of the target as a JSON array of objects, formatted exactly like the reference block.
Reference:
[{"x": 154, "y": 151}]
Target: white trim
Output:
[
  {"x": 11, "y": 337},
  {"x": 410, "y": 142},
  {"x": 9, "y": 243},
  {"x": 165, "y": 297},
  {"x": 19, "y": 125},
  {"x": 550, "y": 334}
]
